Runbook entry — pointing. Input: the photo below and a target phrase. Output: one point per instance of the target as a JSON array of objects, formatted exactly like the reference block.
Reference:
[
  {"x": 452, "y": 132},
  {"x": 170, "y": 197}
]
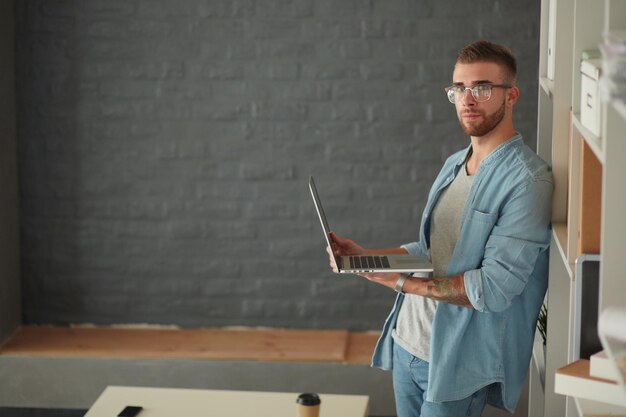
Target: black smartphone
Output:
[{"x": 130, "y": 411}]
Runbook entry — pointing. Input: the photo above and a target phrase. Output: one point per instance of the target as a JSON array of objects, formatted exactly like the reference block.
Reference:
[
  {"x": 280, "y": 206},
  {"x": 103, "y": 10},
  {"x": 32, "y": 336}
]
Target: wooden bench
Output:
[{"x": 205, "y": 343}]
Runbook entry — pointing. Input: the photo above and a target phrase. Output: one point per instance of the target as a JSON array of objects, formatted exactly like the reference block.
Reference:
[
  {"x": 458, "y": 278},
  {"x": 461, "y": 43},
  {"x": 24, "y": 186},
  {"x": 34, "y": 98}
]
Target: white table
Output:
[{"x": 174, "y": 402}]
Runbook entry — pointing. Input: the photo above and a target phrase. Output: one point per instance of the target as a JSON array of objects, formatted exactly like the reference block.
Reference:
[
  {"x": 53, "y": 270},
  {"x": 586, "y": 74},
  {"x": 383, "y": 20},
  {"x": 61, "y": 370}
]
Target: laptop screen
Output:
[{"x": 320, "y": 213}]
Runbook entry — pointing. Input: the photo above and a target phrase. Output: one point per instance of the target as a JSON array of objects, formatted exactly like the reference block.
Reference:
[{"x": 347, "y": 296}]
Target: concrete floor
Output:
[{"x": 66, "y": 387}]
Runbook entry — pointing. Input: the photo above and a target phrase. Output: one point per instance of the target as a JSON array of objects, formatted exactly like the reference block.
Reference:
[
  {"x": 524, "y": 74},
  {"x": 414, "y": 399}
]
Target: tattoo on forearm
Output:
[{"x": 448, "y": 290}]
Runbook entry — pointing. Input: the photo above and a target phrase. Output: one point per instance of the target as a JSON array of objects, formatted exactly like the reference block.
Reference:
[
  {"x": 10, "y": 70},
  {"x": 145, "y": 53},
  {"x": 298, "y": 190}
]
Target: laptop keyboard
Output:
[{"x": 369, "y": 261}]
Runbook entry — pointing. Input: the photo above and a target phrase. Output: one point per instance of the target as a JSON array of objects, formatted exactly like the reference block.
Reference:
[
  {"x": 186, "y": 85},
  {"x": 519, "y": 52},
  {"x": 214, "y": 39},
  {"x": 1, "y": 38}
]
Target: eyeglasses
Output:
[{"x": 480, "y": 92}]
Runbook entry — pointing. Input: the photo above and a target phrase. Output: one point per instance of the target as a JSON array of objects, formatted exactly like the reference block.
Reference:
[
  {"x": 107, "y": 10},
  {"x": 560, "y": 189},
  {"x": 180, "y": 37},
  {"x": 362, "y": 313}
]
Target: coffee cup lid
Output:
[{"x": 309, "y": 399}]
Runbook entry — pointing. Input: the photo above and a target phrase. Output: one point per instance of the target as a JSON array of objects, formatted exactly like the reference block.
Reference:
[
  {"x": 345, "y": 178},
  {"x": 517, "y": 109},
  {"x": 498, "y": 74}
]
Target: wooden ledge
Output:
[
  {"x": 216, "y": 344},
  {"x": 581, "y": 369}
]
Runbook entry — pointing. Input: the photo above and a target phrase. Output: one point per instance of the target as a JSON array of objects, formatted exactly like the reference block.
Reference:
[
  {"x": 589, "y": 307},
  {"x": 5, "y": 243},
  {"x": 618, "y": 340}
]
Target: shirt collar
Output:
[{"x": 494, "y": 154}]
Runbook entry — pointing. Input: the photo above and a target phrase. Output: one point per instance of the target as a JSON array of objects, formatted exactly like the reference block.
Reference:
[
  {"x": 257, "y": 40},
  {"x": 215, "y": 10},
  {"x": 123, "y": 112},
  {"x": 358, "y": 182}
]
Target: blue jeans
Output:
[{"x": 410, "y": 382}]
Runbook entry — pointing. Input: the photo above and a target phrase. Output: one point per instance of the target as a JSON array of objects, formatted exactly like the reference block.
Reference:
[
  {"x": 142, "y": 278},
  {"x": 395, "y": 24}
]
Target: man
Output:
[{"x": 464, "y": 337}]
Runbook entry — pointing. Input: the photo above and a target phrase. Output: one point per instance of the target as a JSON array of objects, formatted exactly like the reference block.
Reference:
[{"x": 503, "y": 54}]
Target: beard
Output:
[{"x": 487, "y": 125}]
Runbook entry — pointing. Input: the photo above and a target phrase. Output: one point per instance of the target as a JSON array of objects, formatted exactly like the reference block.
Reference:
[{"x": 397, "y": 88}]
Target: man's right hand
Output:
[{"x": 342, "y": 247}]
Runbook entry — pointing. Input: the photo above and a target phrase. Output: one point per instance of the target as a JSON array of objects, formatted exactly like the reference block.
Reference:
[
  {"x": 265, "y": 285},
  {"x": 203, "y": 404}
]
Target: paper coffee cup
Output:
[{"x": 308, "y": 405}]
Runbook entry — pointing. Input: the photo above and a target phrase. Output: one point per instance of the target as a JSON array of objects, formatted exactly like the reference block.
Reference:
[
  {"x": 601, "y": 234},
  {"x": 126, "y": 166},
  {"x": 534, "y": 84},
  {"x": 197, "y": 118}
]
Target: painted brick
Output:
[
  {"x": 279, "y": 111},
  {"x": 345, "y": 8},
  {"x": 331, "y": 70},
  {"x": 286, "y": 49},
  {"x": 114, "y": 8},
  {"x": 285, "y": 8},
  {"x": 217, "y": 70},
  {"x": 275, "y": 71},
  {"x": 333, "y": 28},
  {"x": 226, "y": 8},
  {"x": 402, "y": 8},
  {"x": 360, "y": 91}
]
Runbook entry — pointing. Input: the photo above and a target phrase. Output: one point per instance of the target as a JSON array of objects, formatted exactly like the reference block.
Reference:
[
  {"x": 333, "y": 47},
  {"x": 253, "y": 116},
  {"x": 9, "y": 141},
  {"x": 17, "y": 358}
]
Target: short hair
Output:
[{"x": 486, "y": 51}]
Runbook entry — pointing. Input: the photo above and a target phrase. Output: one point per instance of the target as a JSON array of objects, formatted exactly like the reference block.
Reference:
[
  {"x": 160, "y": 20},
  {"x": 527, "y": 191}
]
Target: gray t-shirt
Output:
[{"x": 414, "y": 325}]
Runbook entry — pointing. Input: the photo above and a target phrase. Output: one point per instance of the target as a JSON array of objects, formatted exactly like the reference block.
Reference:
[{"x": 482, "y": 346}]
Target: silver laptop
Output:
[{"x": 358, "y": 264}]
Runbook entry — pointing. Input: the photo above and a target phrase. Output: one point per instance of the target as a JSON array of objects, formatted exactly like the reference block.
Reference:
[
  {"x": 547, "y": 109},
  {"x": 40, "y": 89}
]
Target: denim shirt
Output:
[{"x": 502, "y": 252}]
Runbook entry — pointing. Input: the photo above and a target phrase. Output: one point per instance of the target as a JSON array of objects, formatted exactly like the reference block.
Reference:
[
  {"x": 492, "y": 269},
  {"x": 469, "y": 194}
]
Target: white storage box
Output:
[{"x": 589, "y": 97}]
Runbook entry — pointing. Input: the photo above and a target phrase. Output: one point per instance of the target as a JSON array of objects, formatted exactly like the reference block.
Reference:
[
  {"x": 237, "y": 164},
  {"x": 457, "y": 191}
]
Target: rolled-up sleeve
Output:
[
  {"x": 520, "y": 235},
  {"x": 412, "y": 248}
]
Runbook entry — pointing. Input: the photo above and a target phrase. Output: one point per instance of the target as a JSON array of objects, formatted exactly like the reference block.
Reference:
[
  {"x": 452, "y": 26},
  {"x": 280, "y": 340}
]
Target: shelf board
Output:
[
  {"x": 574, "y": 380},
  {"x": 559, "y": 231},
  {"x": 594, "y": 141},
  {"x": 547, "y": 85}
]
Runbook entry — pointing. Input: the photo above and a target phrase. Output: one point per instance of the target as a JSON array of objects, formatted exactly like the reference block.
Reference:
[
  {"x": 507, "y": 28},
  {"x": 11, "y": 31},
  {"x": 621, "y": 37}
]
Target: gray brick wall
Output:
[
  {"x": 165, "y": 148},
  {"x": 10, "y": 305}
]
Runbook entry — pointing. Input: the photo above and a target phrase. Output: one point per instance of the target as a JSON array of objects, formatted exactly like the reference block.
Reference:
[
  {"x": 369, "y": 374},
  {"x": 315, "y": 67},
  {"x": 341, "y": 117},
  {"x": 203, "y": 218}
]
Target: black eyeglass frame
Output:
[{"x": 473, "y": 90}]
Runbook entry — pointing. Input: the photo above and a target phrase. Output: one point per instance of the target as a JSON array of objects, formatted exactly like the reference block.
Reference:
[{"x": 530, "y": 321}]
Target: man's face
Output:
[{"x": 479, "y": 118}]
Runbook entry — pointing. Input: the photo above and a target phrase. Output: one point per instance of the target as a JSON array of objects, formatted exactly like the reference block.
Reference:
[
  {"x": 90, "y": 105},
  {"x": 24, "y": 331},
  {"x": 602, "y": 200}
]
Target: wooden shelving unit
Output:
[
  {"x": 592, "y": 140},
  {"x": 588, "y": 204}
]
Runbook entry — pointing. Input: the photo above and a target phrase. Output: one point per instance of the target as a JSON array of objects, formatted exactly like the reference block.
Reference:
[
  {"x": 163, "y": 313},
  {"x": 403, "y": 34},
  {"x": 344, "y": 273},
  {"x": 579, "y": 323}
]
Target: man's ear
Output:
[{"x": 511, "y": 96}]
